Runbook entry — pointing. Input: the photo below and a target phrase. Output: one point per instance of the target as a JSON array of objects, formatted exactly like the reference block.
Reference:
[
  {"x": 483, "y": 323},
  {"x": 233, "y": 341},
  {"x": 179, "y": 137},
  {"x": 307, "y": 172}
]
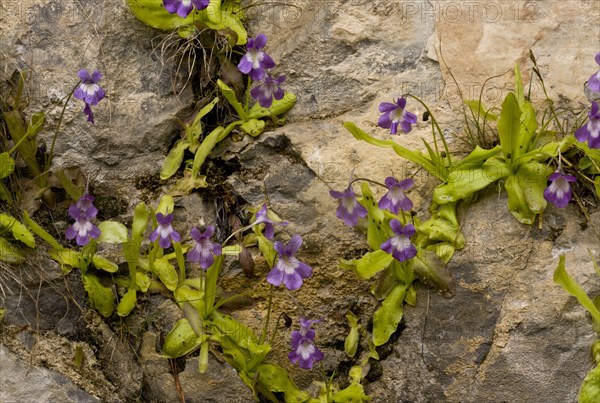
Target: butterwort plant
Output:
[
  {"x": 256, "y": 61},
  {"x": 349, "y": 209},
  {"x": 272, "y": 101},
  {"x": 184, "y": 7},
  {"x": 164, "y": 231},
  {"x": 559, "y": 191},
  {"x": 204, "y": 250},
  {"x": 163, "y": 236},
  {"x": 262, "y": 217},
  {"x": 400, "y": 245},
  {"x": 89, "y": 91},
  {"x": 83, "y": 212},
  {"x": 590, "y": 132},
  {"x": 394, "y": 115},
  {"x": 268, "y": 90},
  {"x": 395, "y": 199},
  {"x": 304, "y": 351},
  {"x": 594, "y": 80},
  {"x": 288, "y": 269},
  {"x": 257, "y": 64}
]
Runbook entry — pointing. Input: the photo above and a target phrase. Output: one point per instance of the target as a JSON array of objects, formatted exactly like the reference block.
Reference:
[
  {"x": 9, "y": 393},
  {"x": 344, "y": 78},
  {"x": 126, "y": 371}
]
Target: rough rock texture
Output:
[
  {"x": 509, "y": 333},
  {"x": 52, "y": 40},
  {"x": 21, "y": 382},
  {"x": 219, "y": 384},
  {"x": 495, "y": 35}
]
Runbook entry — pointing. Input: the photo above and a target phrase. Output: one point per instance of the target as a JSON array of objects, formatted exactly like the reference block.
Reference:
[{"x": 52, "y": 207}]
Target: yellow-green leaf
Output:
[
  {"x": 140, "y": 222},
  {"x": 351, "y": 342},
  {"x": 267, "y": 249},
  {"x": 112, "y": 232},
  {"x": 253, "y": 127},
  {"x": 185, "y": 293},
  {"x": 590, "y": 388},
  {"x": 509, "y": 127},
  {"x": 376, "y": 233},
  {"x": 232, "y": 250},
  {"x": 166, "y": 205},
  {"x": 368, "y": 265},
  {"x": 103, "y": 263},
  {"x": 277, "y": 108},
  {"x": 142, "y": 281},
  {"x": 463, "y": 183},
  {"x": 480, "y": 111},
  {"x": 181, "y": 340},
  {"x": 476, "y": 158},
  {"x": 67, "y": 259},
  {"x": 166, "y": 273},
  {"x": 7, "y": 165},
  {"x": 354, "y": 393},
  {"x": 517, "y": 204},
  {"x": 387, "y": 318},
  {"x": 187, "y": 184},
  {"x": 205, "y": 148},
  {"x": 18, "y": 230},
  {"x": 10, "y": 254},
  {"x": 276, "y": 379},
  {"x": 127, "y": 303},
  {"x": 101, "y": 297},
  {"x": 528, "y": 127},
  {"x": 230, "y": 96},
  {"x": 154, "y": 14},
  {"x": 194, "y": 130},
  {"x": 174, "y": 159},
  {"x": 562, "y": 278},
  {"x": 532, "y": 178},
  {"x": 39, "y": 231},
  {"x": 228, "y": 17}
]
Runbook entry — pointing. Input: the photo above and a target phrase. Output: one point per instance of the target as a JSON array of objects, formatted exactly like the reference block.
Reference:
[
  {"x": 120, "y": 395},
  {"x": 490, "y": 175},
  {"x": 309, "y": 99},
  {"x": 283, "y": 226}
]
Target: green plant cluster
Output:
[
  {"x": 250, "y": 121},
  {"x": 525, "y": 155},
  {"x": 521, "y": 162},
  {"x": 590, "y": 387}
]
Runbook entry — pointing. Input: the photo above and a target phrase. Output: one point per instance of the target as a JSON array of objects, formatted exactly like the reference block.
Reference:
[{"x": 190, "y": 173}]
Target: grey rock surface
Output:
[
  {"x": 509, "y": 333},
  {"x": 220, "y": 383},
  {"x": 24, "y": 383}
]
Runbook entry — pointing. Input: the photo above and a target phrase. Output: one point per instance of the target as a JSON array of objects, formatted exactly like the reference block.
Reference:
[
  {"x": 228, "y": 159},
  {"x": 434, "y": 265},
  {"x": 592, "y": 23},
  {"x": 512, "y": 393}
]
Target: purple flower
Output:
[
  {"x": 288, "y": 269},
  {"x": 262, "y": 216},
  {"x": 594, "y": 81},
  {"x": 306, "y": 327},
  {"x": 164, "y": 231},
  {"x": 304, "y": 352},
  {"x": 394, "y": 114},
  {"x": 83, "y": 211},
  {"x": 269, "y": 89},
  {"x": 255, "y": 61},
  {"x": 395, "y": 198},
  {"x": 184, "y": 7},
  {"x": 89, "y": 91},
  {"x": 204, "y": 249},
  {"x": 559, "y": 191},
  {"x": 349, "y": 209},
  {"x": 83, "y": 207},
  {"x": 591, "y": 131},
  {"x": 400, "y": 246}
]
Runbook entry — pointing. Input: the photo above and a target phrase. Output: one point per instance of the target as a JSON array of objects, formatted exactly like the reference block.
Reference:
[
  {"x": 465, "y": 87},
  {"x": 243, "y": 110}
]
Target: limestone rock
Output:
[
  {"x": 509, "y": 333},
  {"x": 21, "y": 382}
]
